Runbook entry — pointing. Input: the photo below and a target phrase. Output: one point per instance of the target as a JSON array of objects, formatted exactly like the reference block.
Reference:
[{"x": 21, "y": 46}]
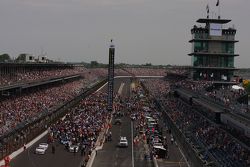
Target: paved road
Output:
[
  {"x": 62, "y": 158},
  {"x": 113, "y": 156}
]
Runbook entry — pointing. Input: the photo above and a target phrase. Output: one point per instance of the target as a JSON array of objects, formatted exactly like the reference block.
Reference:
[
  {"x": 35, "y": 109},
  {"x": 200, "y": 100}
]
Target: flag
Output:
[
  {"x": 218, "y": 3},
  {"x": 207, "y": 8}
]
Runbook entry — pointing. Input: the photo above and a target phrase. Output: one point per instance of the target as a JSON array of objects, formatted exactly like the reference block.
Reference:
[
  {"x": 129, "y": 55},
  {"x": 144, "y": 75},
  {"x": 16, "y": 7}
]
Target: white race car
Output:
[
  {"x": 44, "y": 145},
  {"x": 41, "y": 149},
  {"x": 123, "y": 142},
  {"x": 73, "y": 148}
]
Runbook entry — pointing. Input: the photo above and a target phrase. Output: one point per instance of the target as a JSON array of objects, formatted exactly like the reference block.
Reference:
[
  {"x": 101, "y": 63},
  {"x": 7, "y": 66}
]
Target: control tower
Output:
[{"x": 213, "y": 50}]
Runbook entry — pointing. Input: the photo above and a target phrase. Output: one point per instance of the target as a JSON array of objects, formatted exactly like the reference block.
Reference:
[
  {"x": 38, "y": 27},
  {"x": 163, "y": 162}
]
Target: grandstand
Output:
[
  {"x": 34, "y": 97},
  {"x": 214, "y": 142},
  {"x": 30, "y": 92}
]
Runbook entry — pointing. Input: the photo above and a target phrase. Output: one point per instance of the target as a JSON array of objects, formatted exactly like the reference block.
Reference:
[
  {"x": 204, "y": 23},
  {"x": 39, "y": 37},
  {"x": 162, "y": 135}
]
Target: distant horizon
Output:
[{"x": 56, "y": 61}]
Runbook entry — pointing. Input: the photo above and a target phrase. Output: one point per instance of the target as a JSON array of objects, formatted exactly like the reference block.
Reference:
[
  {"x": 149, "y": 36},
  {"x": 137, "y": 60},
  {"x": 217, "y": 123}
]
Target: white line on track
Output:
[
  {"x": 101, "y": 87},
  {"x": 121, "y": 88},
  {"x": 184, "y": 157},
  {"x": 180, "y": 161}
]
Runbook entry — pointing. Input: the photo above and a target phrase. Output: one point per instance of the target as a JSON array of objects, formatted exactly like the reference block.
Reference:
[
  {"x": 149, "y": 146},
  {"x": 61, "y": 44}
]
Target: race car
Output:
[
  {"x": 44, "y": 145},
  {"x": 74, "y": 148},
  {"x": 41, "y": 149},
  {"x": 123, "y": 142}
]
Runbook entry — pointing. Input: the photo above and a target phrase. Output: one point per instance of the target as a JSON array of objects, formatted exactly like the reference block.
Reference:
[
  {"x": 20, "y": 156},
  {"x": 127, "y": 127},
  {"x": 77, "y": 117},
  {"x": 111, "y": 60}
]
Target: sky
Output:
[{"x": 144, "y": 31}]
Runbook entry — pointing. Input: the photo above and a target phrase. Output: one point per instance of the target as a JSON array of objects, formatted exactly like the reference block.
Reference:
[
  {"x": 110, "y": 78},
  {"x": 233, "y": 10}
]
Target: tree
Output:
[
  {"x": 21, "y": 57},
  {"x": 246, "y": 84},
  {"x": 148, "y": 64},
  {"x": 4, "y": 57},
  {"x": 94, "y": 64}
]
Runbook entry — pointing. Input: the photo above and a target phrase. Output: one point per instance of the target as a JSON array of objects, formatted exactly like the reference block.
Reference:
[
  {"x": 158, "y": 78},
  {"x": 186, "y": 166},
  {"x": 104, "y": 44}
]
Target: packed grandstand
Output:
[{"x": 218, "y": 143}]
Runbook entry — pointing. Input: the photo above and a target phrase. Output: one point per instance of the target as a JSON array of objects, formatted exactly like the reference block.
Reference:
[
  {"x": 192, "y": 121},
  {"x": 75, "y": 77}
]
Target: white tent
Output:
[{"x": 236, "y": 87}]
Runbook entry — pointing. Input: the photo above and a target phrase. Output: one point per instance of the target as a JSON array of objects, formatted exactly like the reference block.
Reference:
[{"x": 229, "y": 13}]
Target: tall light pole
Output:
[{"x": 111, "y": 75}]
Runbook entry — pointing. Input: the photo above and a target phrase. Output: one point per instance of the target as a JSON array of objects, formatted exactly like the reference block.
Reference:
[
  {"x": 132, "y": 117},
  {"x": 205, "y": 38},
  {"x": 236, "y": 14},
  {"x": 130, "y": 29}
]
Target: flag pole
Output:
[
  {"x": 218, "y": 4},
  {"x": 219, "y": 12},
  {"x": 207, "y": 11}
]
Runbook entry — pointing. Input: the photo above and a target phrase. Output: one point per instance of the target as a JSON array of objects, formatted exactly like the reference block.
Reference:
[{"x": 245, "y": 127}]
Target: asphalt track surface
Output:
[
  {"x": 175, "y": 158},
  {"x": 61, "y": 158},
  {"x": 113, "y": 156}
]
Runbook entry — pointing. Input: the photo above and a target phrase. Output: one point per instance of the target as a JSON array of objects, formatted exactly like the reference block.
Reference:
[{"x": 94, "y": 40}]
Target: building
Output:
[
  {"x": 29, "y": 58},
  {"x": 42, "y": 59},
  {"x": 213, "y": 50}
]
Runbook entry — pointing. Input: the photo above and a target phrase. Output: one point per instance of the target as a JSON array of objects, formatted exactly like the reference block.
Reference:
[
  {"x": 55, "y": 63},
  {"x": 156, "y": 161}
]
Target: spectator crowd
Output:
[
  {"x": 17, "y": 109},
  {"x": 213, "y": 143},
  {"x": 82, "y": 125},
  {"x": 36, "y": 75}
]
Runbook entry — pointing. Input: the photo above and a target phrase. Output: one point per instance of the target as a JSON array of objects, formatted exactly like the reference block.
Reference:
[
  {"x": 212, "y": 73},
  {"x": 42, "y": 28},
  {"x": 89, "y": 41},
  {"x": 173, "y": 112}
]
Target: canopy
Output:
[{"x": 236, "y": 87}]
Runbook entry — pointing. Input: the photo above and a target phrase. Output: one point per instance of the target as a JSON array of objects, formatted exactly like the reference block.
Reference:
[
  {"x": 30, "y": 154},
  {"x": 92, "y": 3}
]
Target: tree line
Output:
[{"x": 6, "y": 58}]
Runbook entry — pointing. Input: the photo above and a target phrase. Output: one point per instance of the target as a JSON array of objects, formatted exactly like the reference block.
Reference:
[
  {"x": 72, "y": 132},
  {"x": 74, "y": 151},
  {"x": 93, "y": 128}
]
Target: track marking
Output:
[
  {"x": 121, "y": 88},
  {"x": 101, "y": 87},
  {"x": 180, "y": 161},
  {"x": 184, "y": 157}
]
